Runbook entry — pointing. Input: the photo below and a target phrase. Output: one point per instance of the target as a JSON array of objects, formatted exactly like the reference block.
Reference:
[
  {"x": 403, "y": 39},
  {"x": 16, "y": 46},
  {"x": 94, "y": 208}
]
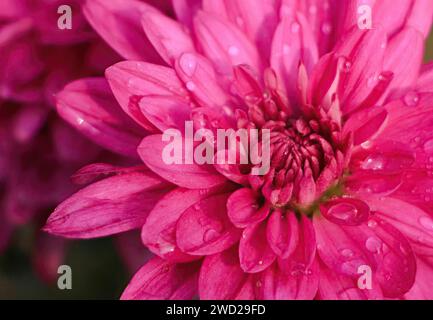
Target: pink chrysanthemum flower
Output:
[{"x": 350, "y": 114}]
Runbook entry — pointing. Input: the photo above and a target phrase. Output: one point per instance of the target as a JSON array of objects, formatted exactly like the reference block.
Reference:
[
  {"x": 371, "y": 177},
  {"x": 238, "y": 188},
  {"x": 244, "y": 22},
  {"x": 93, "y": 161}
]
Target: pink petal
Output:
[
  {"x": 293, "y": 43},
  {"x": 190, "y": 176},
  {"x": 412, "y": 221},
  {"x": 297, "y": 276},
  {"x": 258, "y": 22},
  {"x": 255, "y": 254},
  {"x": 366, "y": 124},
  {"x": 421, "y": 16},
  {"x": 162, "y": 280},
  {"x": 185, "y": 10},
  {"x": 421, "y": 289},
  {"x": 200, "y": 79},
  {"x": 405, "y": 64},
  {"x": 110, "y": 206},
  {"x": 204, "y": 229},
  {"x": 231, "y": 50},
  {"x": 283, "y": 233},
  {"x": 243, "y": 208},
  {"x": 339, "y": 249},
  {"x": 397, "y": 268},
  {"x": 380, "y": 246},
  {"x": 165, "y": 112},
  {"x": 361, "y": 68},
  {"x": 130, "y": 81},
  {"x": 98, "y": 171},
  {"x": 333, "y": 286},
  {"x": 159, "y": 231},
  {"x": 119, "y": 24},
  {"x": 89, "y": 106},
  {"x": 169, "y": 37},
  {"x": 221, "y": 277},
  {"x": 280, "y": 286}
]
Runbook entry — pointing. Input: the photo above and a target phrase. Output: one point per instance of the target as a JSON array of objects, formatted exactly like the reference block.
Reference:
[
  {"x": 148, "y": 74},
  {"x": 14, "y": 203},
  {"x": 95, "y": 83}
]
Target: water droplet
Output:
[
  {"x": 372, "y": 224},
  {"x": 165, "y": 247},
  {"x": 80, "y": 121},
  {"x": 210, "y": 235},
  {"x": 411, "y": 99},
  {"x": 345, "y": 64},
  {"x": 298, "y": 269},
  {"x": 426, "y": 222},
  {"x": 404, "y": 251},
  {"x": 373, "y": 244},
  {"x": 260, "y": 262},
  {"x": 371, "y": 82},
  {"x": 326, "y": 28},
  {"x": 312, "y": 9},
  {"x": 190, "y": 86},
  {"x": 374, "y": 162},
  {"x": 295, "y": 27},
  {"x": 233, "y": 51},
  {"x": 188, "y": 64},
  {"x": 343, "y": 211},
  {"x": 428, "y": 146},
  {"x": 258, "y": 284},
  {"x": 347, "y": 253},
  {"x": 166, "y": 269}
]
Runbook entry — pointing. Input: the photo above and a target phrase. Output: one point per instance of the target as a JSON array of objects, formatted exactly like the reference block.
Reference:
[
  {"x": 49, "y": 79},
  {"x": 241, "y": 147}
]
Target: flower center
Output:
[{"x": 308, "y": 152}]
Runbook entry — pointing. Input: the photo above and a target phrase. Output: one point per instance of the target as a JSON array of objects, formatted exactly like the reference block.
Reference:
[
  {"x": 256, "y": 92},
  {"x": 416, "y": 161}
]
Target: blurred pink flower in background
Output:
[
  {"x": 350, "y": 116},
  {"x": 39, "y": 151}
]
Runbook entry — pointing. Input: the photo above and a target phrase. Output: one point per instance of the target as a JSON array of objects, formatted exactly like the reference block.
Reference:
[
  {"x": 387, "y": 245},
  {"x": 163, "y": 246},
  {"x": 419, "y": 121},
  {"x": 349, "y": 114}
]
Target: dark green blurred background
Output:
[{"x": 98, "y": 272}]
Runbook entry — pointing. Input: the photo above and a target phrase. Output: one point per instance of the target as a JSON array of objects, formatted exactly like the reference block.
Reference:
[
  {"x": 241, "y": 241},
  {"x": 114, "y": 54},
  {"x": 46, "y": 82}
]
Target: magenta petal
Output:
[
  {"x": 243, "y": 208},
  {"x": 413, "y": 222},
  {"x": 255, "y": 254},
  {"x": 283, "y": 233},
  {"x": 405, "y": 64},
  {"x": 366, "y": 124},
  {"x": 130, "y": 81},
  {"x": 165, "y": 112},
  {"x": 119, "y": 24},
  {"x": 333, "y": 286},
  {"x": 159, "y": 231},
  {"x": 110, "y": 206},
  {"x": 168, "y": 36},
  {"x": 234, "y": 48},
  {"x": 162, "y": 280},
  {"x": 190, "y": 176},
  {"x": 397, "y": 265},
  {"x": 360, "y": 65},
  {"x": 339, "y": 248},
  {"x": 295, "y": 277},
  {"x": 277, "y": 285},
  {"x": 200, "y": 79},
  {"x": 421, "y": 289},
  {"x": 204, "y": 228},
  {"x": 90, "y": 107},
  {"x": 293, "y": 42},
  {"x": 185, "y": 10},
  {"x": 221, "y": 277},
  {"x": 345, "y": 211},
  {"x": 98, "y": 171}
]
